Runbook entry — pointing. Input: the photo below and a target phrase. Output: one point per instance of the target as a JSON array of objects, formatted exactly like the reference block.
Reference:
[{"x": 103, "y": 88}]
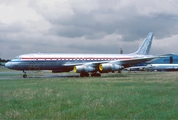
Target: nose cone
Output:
[{"x": 7, "y": 65}]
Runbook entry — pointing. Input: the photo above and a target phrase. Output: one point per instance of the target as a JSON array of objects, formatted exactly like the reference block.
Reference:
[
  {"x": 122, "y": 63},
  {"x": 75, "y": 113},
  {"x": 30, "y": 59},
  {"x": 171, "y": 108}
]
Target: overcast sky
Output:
[{"x": 86, "y": 26}]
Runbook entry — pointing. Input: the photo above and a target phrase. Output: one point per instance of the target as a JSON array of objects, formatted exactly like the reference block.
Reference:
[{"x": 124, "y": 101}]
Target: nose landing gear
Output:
[{"x": 25, "y": 74}]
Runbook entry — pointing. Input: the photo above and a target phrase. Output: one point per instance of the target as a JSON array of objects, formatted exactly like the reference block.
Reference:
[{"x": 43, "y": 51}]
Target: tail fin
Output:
[{"x": 146, "y": 45}]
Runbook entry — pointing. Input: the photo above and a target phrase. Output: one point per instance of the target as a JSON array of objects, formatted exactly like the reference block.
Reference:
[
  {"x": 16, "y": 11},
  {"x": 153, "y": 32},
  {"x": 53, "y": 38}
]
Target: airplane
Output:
[
  {"x": 82, "y": 63},
  {"x": 161, "y": 67}
]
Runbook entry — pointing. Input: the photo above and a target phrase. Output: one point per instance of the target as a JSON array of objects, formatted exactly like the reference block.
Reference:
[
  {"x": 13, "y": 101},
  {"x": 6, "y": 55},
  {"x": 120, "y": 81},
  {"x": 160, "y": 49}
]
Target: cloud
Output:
[
  {"x": 88, "y": 26},
  {"x": 108, "y": 17}
]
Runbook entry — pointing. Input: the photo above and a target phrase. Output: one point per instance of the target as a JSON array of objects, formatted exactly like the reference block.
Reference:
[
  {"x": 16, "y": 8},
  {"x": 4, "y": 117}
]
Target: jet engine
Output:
[
  {"x": 83, "y": 68},
  {"x": 108, "y": 67}
]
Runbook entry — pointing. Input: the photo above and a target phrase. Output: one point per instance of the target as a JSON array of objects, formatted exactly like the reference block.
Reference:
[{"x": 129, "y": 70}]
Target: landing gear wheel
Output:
[
  {"x": 96, "y": 75},
  {"x": 84, "y": 75},
  {"x": 24, "y": 76}
]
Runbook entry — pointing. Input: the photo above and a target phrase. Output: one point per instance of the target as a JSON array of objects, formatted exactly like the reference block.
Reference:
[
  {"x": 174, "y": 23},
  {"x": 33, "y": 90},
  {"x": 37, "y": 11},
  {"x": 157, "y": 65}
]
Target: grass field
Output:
[{"x": 142, "y": 95}]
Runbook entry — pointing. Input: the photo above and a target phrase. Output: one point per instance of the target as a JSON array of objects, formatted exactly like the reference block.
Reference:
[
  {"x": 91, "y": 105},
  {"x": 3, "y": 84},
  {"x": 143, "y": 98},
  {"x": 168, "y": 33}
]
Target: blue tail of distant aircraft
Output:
[{"x": 146, "y": 45}]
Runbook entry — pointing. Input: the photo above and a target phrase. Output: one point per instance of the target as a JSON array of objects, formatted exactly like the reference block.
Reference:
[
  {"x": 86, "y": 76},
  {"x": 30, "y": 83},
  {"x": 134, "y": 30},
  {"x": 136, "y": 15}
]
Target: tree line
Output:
[{"x": 3, "y": 60}]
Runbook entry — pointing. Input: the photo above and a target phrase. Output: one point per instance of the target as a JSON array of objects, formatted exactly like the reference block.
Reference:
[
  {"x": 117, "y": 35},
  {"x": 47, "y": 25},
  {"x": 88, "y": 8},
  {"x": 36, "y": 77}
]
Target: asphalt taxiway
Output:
[
  {"x": 4, "y": 75},
  {"x": 19, "y": 76}
]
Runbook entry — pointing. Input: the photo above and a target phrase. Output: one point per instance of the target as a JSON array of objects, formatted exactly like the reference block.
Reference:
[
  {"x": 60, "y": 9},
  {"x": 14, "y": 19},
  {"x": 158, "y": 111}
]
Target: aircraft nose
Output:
[{"x": 7, "y": 65}]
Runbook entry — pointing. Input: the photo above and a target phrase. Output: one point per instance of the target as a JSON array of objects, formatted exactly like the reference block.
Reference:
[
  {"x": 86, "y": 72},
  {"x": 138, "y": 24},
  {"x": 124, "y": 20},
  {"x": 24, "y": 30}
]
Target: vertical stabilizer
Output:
[{"x": 146, "y": 45}]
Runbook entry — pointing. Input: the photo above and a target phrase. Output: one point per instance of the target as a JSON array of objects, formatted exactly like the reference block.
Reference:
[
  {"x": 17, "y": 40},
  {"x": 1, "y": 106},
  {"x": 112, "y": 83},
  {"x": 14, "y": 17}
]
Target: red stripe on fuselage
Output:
[{"x": 76, "y": 59}]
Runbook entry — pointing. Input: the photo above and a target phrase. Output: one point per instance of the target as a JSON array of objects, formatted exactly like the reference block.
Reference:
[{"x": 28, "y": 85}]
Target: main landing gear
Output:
[
  {"x": 25, "y": 74},
  {"x": 92, "y": 75},
  {"x": 84, "y": 74},
  {"x": 95, "y": 75}
]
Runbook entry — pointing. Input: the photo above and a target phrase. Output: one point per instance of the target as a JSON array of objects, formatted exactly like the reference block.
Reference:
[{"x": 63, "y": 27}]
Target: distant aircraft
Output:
[
  {"x": 82, "y": 63},
  {"x": 161, "y": 67}
]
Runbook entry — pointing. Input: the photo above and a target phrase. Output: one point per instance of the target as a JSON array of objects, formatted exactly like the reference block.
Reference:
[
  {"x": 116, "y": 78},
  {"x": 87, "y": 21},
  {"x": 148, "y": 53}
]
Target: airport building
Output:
[
  {"x": 169, "y": 63},
  {"x": 172, "y": 59}
]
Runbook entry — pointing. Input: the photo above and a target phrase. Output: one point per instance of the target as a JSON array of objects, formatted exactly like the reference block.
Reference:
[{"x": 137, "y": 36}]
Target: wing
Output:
[
  {"x": 132, "y": 62},
  {"x": 107, "y": 66}
]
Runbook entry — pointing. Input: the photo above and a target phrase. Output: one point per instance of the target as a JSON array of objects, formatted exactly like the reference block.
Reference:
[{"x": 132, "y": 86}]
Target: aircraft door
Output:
[
  {"x": 58, "y": 62},
  {"x": 83, "y": 60},
  {"x": 30, "y": 67},
  {"x": 76, "y": 60},
  {"x": 32, "y": 61},
  {"x": 33, "y": 65}
]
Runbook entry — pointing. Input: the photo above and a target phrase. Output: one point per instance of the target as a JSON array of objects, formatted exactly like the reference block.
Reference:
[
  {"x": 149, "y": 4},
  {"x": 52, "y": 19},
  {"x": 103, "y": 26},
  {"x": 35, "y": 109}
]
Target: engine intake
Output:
[
  {"x": 108, "y": 67},
  {"x": 83, "y": 68}
]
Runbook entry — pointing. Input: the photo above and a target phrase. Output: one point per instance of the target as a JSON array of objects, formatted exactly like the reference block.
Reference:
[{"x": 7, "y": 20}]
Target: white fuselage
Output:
[{"x": 57, "y": 62}]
